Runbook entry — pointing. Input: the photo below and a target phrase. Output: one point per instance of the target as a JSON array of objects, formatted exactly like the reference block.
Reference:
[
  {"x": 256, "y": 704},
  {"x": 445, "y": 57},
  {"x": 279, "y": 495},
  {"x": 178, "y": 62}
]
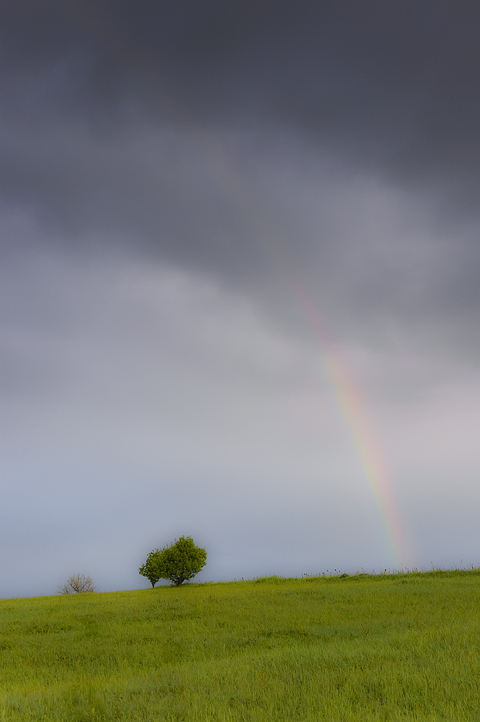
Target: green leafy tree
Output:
[
  {"x": 150, "y": 569},
  {"x": 177, "y": 562}
]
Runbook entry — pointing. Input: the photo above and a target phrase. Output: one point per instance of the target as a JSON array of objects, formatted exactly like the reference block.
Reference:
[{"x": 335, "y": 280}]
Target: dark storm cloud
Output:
[
  {"x": 385, "y": 89},
  {"x": 395, "y": 84}
]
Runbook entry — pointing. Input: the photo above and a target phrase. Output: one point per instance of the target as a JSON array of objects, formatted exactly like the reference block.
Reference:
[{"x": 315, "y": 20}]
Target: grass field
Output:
[{"x": 386, "y": 647}]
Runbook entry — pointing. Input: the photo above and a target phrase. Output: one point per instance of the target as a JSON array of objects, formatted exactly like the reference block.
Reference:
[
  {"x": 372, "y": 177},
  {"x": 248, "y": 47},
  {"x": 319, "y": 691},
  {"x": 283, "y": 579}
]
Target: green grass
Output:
[{"x": 386, "y": 647}]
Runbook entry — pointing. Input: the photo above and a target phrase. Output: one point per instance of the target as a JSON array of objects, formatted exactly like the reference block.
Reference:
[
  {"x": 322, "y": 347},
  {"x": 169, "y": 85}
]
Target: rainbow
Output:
[
  {"x": 346, "y": 390},
  {"x": 354, "y": 411}
]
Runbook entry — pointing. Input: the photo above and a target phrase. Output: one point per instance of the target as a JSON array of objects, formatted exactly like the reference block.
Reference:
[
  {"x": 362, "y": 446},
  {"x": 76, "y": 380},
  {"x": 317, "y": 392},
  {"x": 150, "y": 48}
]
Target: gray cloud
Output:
[
  {"x": 398, "y": 80},
  {"x": 151, "y": 126},
  {"x": 190, "y": 192},
  {"x": 392, "y": 89}
]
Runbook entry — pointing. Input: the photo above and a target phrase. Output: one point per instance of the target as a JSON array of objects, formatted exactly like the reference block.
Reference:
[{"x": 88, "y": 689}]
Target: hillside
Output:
[{"x": 386, "y": 647}]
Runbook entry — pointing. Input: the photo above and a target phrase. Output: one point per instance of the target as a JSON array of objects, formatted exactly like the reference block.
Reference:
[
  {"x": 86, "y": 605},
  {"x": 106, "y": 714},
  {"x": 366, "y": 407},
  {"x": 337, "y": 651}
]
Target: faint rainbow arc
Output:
[
  {"x": 353, "y": 408},
  {"x": 346, "y": 392}
]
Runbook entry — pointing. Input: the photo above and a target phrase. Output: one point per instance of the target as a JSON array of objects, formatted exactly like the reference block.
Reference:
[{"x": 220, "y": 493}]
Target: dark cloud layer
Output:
[
  {"x": 404, "y": 64},
  {"x": 392, "y": 86},
  {"x": 163, "y": 128},
  {"x": 118, "y": 116}
]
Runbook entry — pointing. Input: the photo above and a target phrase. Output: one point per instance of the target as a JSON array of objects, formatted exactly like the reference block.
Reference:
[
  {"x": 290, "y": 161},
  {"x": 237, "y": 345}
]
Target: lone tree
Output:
[
  {"x": 77, "y": 584},
  {"x": 177, "y": 562}
]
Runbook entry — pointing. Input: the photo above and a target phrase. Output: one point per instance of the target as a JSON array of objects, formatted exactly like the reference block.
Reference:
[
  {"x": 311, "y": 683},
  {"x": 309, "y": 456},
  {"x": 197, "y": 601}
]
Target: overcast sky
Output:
[{"x": 240, "y": 286}]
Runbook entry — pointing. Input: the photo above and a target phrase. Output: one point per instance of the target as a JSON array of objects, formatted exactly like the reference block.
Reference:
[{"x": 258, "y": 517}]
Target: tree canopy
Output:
[{"x": 177, "y": 562}]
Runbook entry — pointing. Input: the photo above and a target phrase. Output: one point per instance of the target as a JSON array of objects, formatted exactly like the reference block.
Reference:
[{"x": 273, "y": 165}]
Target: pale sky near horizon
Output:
[{"x": 240, "y": 290}]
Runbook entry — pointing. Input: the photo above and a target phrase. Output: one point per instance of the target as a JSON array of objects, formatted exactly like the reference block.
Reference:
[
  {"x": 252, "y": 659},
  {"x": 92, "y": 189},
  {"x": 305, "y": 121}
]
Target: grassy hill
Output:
[{"x": 386, "y": 647}]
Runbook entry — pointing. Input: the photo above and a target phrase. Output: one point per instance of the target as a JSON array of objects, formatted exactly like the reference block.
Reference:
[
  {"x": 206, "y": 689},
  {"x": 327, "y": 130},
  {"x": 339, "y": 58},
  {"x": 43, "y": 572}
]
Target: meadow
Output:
[{"x": 363, "y": 647}]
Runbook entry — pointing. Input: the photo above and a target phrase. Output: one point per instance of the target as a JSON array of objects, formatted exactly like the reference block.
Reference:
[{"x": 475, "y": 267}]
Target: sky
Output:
[{"x": 240, "y": 287}]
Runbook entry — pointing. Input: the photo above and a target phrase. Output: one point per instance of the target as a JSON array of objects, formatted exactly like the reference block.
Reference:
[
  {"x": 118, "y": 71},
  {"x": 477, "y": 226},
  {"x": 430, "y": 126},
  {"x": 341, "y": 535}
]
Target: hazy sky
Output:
[{"x": 240, "y": 286}]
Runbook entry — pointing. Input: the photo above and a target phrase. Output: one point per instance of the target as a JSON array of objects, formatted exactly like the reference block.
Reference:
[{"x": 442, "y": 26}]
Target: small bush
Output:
[{"x": 77, "y": 584}]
